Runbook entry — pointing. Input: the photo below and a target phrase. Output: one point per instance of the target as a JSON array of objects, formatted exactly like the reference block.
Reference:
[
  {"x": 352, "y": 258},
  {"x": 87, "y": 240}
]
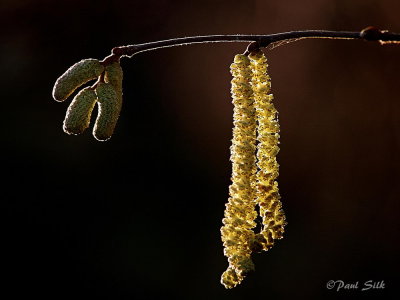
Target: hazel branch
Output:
[
  {"x": 368, "y": 34},
  {"x": 108, "y": 87}
]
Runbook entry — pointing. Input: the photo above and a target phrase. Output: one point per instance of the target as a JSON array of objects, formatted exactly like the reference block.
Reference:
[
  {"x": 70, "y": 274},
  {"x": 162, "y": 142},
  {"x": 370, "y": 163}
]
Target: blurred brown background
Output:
[{"x": 138, "y": 217}]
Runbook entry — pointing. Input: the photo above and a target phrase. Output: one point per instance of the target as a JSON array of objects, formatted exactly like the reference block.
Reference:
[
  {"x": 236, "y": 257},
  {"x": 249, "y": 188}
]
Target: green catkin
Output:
[
  {"x": 108, "y": 113},
  {"x": 75, "y": 76},
  {"x": 113, "y": 74},
  {"x": 79, "y": 111}
]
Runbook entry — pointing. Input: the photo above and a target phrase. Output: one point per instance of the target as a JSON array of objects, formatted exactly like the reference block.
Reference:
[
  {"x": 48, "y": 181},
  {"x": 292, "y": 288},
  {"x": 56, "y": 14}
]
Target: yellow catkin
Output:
[
  {"x": 75, "y": 76},
  {"x": 79, "y": 111},
  {"x": 108, "y": 113},
  {"x": 240, "y": 213},
  {"x": 268, "y": 198}
]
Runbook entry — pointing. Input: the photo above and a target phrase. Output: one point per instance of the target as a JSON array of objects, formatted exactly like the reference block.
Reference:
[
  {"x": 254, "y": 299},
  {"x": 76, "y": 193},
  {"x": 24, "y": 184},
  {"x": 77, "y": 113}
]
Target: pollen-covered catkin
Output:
[
  {"x": 79, "y": 111},
  {"x": 75, "y": 76},
  {"x": 267, "y": 192},
  {"x": 108, "y": 113},
  {"x": 240, "y": 213}
]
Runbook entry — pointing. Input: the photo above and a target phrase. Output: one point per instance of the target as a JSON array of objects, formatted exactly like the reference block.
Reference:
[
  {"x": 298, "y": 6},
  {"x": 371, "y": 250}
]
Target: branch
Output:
[
  {"x": 368, "y": 34},
  {"x": 107, "y": 91}
]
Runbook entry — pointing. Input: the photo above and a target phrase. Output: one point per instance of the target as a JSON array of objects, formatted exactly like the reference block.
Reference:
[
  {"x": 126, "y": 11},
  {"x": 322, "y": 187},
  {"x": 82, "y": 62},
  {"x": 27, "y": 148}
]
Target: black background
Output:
[{"x": 138, "y": 217}]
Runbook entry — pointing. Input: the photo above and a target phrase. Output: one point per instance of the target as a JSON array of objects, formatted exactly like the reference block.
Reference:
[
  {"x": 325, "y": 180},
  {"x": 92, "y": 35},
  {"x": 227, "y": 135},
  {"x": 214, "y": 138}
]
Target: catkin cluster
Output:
[
  {"x": 254, "y": 169},
  {"x": 107, "y": 93}
]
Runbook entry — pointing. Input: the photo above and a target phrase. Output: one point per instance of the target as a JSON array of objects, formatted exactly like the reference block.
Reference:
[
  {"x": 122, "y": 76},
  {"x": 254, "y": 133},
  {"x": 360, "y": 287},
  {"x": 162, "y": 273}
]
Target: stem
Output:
[{"x": 368, "y": 34}]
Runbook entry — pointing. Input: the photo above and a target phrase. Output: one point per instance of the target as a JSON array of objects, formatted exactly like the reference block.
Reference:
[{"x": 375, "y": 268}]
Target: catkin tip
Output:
[
  {"x": 109, "y": 110},
  {"x": 230, "y": 278},
  {"x": 241, "y": 58}
]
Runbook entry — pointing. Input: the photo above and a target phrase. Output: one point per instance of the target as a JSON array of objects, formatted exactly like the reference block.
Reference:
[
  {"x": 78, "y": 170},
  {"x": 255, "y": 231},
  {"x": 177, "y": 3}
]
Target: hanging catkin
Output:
[
  {"x": 237, "y": 233},
  {"x": 254, "y": 169},
  {"x": 268, "y": 198}
]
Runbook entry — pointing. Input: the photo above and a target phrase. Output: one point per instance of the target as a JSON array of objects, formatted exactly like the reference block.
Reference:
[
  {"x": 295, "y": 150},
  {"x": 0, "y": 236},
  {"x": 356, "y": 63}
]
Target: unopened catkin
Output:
[
  {"x": 75, "y": 76},
  {"x": 268, "y": 198},
  {"x": 240, "y": 213},
  {"x": 79, "y": 111},
  {"x": 108, "y": 112},
  {"x": 113, "y": 75}
]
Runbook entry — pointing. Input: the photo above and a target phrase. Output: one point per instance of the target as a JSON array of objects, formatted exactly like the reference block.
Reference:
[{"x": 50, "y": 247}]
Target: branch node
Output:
[
  {"x": 371, "y": 33},
  {"x": 117, "y": 51},
  {"x": 252, "y": 47},
  {"x": 114, "y": 57}
]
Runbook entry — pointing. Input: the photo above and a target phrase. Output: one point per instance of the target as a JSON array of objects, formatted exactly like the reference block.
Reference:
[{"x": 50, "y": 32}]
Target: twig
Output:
[{"x": 368, "y": 34}]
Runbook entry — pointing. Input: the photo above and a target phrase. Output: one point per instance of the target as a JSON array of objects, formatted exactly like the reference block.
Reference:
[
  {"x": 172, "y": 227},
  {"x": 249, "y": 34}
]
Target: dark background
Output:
[{"x": 138, "y": 217}]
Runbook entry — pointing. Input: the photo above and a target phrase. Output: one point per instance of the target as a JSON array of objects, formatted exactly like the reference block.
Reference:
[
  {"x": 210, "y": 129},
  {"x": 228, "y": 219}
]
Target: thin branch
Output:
[{"x": 368, "y": 34}]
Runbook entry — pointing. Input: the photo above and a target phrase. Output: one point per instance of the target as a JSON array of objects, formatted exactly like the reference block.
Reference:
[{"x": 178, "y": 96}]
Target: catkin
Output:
[
  {"x": 254, "y": 169},
  {"x": 79, "y": 111},
  {"x": 75, "y": 76},
  {"x": 108, "y": 113},
  {"x": 237, "y": 234},
  {"x": 113, "y": 75},
  {"x": 268, "y": 198}
]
